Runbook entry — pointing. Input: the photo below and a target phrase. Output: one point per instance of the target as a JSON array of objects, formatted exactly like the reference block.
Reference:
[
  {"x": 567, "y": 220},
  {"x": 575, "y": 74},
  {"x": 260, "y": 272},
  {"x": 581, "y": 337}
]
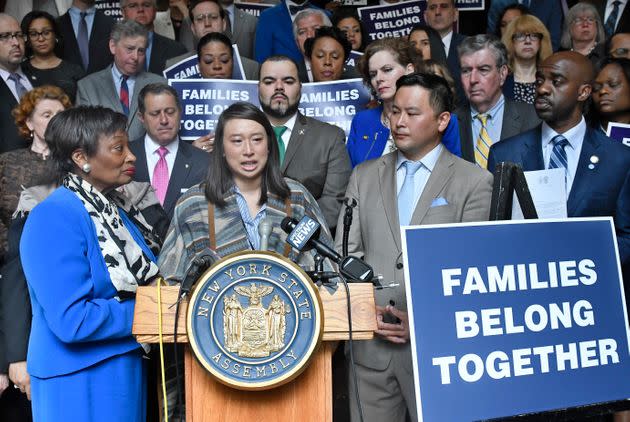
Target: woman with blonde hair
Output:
[{"x": 528, "y": 43}]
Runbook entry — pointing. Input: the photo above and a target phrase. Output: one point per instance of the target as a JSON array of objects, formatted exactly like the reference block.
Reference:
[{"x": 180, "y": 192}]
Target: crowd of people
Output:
[{"x": 99, "y": 194}]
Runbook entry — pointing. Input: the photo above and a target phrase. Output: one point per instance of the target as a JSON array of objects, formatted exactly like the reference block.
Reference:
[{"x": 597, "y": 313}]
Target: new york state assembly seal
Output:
[{"x": 254, "y": 320}]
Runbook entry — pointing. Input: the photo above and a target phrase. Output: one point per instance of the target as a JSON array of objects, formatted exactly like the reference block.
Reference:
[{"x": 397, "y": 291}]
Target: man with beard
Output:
[
  {"x": 597, "y": 169},
  {"x": 85, "y": 32},
  {"x": 311, "y": 152}
]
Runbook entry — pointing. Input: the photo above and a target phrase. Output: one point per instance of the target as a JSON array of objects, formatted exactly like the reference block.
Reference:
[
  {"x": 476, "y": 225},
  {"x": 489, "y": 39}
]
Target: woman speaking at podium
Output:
[
  {"x": 244, "y": 185},
  {"x": 84, "y": 250}
]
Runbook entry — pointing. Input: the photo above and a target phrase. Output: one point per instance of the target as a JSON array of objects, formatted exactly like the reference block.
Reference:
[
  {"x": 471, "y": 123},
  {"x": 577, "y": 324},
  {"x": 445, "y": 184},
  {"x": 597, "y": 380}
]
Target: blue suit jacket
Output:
[
  {"x": 601, "y": 191},
  {"x": 368, "y": 136},
  {"x": 274, "y": 34},
  {"x": 76, "y": 320}
]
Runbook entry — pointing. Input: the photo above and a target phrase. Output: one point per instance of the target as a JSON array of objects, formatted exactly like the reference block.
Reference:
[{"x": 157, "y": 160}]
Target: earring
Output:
[
  {"x": 86, "y": 168},
  {"x": 32, "y": 134}
]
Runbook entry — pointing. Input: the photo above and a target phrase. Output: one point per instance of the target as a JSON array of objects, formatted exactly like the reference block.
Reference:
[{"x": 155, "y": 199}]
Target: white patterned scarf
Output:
[{"x": 126, "y": 262}]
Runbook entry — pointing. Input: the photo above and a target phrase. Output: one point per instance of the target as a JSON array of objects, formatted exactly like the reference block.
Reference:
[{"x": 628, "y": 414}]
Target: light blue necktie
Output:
[
  {"x": 406, "y": 196},
  {"x": 558, "y": 157}
]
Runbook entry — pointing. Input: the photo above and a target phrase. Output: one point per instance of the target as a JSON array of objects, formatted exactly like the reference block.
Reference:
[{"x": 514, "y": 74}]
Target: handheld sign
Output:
[
  {"x": 514, "y": 318},
  {"x": 392, "y": 20},
  {"x": 203, "y": 100},
  {"x": 466, "y": 5},
  {"x": 254, "y": 9},
  {"x": 619, "y": 132}
]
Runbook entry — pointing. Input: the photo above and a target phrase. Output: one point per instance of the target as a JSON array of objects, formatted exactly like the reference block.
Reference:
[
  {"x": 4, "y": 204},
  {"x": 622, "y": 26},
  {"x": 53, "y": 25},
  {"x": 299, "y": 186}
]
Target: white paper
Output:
[{"x": 548, "y": 190}]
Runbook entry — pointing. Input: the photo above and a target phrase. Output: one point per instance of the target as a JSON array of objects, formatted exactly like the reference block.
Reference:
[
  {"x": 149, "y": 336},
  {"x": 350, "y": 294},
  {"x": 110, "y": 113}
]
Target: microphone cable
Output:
[{"x": 350, "y": 342}]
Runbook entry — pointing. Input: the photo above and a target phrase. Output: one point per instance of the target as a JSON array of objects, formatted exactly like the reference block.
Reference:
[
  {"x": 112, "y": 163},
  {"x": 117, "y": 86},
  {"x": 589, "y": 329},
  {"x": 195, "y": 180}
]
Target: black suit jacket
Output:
[
  {"x": 452, "y": 62},
  {"x": 190, "y": 167},
  {"x": 623, "y": 25},
  {"x": 10, "y": 139},
  {"x": 163, "y": 49},
  {"x": 517, "y": 118},
  {"x": 100, "y": 57}
]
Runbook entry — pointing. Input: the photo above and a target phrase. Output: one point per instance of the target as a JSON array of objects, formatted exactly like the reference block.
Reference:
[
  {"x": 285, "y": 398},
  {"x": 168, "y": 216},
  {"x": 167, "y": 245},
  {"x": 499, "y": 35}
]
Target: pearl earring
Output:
[{"x": 86, "y": 168}]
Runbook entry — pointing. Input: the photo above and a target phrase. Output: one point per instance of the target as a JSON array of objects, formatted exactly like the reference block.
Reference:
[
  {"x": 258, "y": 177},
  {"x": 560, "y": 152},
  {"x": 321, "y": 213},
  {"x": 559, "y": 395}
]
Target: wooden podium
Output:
[{"x": 307, "y": 398}]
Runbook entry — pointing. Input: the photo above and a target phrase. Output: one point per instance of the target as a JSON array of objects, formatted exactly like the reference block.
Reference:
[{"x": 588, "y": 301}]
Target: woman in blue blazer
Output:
[
  {"x": 84, "y": 250},
  {"x": 383, "y": 63}
]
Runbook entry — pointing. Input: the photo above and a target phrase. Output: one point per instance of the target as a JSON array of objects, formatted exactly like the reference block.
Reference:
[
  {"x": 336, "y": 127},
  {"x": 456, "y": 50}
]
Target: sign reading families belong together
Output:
[{"x": 537, "y": 326}]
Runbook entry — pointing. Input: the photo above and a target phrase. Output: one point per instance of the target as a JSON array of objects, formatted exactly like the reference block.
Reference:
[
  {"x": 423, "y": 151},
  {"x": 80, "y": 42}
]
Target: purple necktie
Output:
[{"x": 160, "y": 175}]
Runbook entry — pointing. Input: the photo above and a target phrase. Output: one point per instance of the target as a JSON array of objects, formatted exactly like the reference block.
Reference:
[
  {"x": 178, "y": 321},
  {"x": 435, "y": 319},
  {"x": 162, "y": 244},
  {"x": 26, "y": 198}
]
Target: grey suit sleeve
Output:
[
  {"x": 337, "y": 175},
  {"x": 355, "y": 242},
  {"x": 82, "y": 96},
  {"x": 477, "y": 207}
]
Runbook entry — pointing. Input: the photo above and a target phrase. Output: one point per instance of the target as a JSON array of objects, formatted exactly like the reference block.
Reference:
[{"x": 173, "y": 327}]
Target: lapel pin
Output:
[
  {"x": 186, "y": 166},
  {"x": 301, "y": 131},
  {"x": 365, "y": 137},
  {"x": 594, "y": 160}
]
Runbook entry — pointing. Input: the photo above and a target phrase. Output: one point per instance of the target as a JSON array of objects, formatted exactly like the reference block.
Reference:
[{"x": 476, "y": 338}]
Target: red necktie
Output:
[{"x": 124, "y": 95}]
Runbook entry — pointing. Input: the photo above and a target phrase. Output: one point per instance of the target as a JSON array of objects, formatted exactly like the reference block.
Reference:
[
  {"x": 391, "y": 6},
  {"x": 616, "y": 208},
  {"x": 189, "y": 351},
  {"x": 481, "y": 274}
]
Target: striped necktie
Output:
[
  {"x": 482, "y": 147},
  {"x": 558, "y": 157},
  {"x": 20, "y": 89},
  {"x": 611, "y": 22}
]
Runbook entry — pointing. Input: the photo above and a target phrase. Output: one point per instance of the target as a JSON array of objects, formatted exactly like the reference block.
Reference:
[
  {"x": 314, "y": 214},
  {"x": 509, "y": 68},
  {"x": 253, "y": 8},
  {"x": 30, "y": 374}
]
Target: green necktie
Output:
[{"x": 279, "y": 130}]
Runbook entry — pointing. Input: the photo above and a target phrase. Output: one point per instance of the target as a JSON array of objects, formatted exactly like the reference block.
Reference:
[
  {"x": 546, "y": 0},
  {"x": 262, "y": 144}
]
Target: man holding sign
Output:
[
  {"x": 420, "y": 183},
  {"x": 597, "y": 169}
]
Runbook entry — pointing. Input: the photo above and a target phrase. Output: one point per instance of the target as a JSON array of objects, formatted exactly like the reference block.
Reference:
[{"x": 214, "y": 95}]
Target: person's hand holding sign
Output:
[
  {"x": 395, "y": 332},
  {"x": 205, "y": 142}
]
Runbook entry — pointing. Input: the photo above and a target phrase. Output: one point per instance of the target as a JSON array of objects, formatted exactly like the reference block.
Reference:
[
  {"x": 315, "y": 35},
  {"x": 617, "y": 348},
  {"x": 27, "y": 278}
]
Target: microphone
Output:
[
  {"x": 303, "y": 234},
  {"x": 264, "y": 230},
  {"x": 201, "y": 262}
]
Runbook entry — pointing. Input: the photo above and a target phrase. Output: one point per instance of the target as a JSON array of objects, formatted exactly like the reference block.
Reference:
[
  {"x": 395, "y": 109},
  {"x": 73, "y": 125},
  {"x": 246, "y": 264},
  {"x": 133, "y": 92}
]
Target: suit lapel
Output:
[
  {"x": 179, "y": 175},
  {"x": 387, "y": 185},
  {"x": 133, "y": 107},
  {"x": 580, "y": 186},
  {"x": 109, "y": 88},
  {"x": 142, "y": 169},
  {"x": 532, "y": 158},
  {"x": 511, "y": 121},
  {"x": 295, "y": 141},
  {"x": 441, "y": 174}
]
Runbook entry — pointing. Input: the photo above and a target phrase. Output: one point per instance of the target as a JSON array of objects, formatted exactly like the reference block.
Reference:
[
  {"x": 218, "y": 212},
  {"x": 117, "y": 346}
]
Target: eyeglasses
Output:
[
  {"x": 46, "y": 33},
  {"x": 208, "y": 16},
  {"x": 578, "y": 21},
  {"x": 134, "y": 6},
  {"x": 522, "y": 36},
  {"x": 5, "y": 37}
]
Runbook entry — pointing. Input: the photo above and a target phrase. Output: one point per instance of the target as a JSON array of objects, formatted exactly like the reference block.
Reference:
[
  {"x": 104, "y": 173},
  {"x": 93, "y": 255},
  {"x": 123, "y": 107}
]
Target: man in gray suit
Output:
[
  {"x": 311, "y": 152},
  {"x": 117, "y": 86},
  {"x": 420, "y": 183},
  {"x": 241, "y": 28},
  {"x": 490, "y": 117}
]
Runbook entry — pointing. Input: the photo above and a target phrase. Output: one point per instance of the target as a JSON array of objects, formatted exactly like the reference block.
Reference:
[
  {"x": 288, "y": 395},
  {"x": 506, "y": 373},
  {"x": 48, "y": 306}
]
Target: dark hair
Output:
[
  {"x": 80, "y": 128},
  {"x": 330, "y": 32},
  {"x": 516, "y": 6},
  {"x": 156, "y": 89},
  {"x": 441, "y": 98},
  {"x": 435, "y": 42},
  {"x": 608, "y": 42},
  {"x": 214, "y": 37},
  {"x": 350, "y": 12},
  {"x": 38, "y": 14},
  {"x": 194, "y": 3},
  {"x": 219, "y": 179},
  {"x": 278, "y": 58}
]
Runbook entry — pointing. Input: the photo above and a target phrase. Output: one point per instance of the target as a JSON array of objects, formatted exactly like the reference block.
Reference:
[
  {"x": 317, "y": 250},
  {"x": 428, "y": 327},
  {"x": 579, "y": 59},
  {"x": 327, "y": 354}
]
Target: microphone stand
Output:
[
  {"x": 318, "y": 275},
  {"x": 347, "y": 222}
]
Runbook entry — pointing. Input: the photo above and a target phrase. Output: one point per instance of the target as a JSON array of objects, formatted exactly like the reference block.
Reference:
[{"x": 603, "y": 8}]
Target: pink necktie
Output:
[{"x": 160, "y": 175}]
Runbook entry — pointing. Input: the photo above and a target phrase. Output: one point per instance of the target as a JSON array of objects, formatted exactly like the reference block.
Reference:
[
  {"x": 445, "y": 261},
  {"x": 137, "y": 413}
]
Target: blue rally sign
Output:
[
  {"x": 465, "y": 5},
  {"x": 203, "y": 100},
  {"x": 392, "y": 21},
  {"x": 252, "y": 8},
  {"x": 515, "y": 318},
  {"x": 619, "y": 132}
]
